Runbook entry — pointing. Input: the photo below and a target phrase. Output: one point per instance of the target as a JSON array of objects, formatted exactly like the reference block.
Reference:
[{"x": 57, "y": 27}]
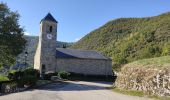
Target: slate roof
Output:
[
  {"x": 80, "y": 54},
  {"x": 49, "y": 17}
]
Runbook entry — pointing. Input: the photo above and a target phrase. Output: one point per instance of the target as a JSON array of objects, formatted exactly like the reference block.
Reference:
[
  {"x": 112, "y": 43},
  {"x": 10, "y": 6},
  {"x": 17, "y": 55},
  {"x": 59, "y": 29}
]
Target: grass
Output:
[
  {"x": 159, "y": 98},
  {"x": 158, "y": 62},
  {"x": 128, "y": 92},
  {"x": 138, "y": 93},
  {"x": 3, "y": 78}
]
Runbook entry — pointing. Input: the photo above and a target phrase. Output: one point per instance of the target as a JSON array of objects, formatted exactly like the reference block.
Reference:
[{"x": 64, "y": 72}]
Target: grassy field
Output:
[
  {"x": 129, "y": 92},
  {"x": 158, "y": 62},
  {"x": 138, "y": 93}
]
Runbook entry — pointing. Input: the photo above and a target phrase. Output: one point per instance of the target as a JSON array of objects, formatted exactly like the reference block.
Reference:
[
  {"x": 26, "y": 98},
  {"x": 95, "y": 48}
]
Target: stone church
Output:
[{"x": 49, "y": 59}]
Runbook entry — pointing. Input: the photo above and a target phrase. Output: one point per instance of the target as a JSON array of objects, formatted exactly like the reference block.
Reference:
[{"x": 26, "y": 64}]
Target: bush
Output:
[
  {"x": 82, "y": 77},
  {"x": 31, "y": 71},
  {"x": 48, "y": 76},
  {"x": 63, "y": 74},
  {"x": 26, "y": 77},
  {"x": 3, "y": 78},
  {"x": 14, "y": 75},
  {"x": 116, "y": 67},
  {"x": 27, "y": 80}
]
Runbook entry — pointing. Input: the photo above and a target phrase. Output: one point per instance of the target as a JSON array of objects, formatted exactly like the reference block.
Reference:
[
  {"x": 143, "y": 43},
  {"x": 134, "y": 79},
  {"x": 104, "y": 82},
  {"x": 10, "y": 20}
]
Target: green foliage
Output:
[
  {"x": 129, "y": 92},
  {"x": 130, "y": 39},
  {"x": 27, "y": 80},
  {"x": 12, "y": 71},
  {"x": 11, "y": 36},
  {"x": 30, "y": 71},
  {"x": 166, "y": 49},
  {"x": 138, "y": 93},
  {"x": 32, "y": 42},
  {"x": 157, "y": 62},
  {"x": 49, "y": 75},
  {"x": 63, "y": 74},
  {"x": 26, "y": 77},
  {"x": 116, "y": 67},
  {"x": 60, "y": 44},
  {"x": 3, "y": 78}
]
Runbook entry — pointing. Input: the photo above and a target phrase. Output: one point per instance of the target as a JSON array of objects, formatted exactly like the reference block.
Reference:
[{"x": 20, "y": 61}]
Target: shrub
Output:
[
  {"x": 116, "y": 67},
  {"x": 3, "y": 78},
  {"x": 48, "y": 76},
  {"x": 27, "y": 80},
  {"x": 31, "y": 71},
  {"x": 13, "y": 74},
  {"x": 63, "y": 74},
  {"x": 27, "y": 77}
]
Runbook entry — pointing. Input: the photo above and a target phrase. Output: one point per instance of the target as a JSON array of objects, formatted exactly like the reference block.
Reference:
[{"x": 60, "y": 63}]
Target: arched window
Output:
[{"x": 51, "y": 29}]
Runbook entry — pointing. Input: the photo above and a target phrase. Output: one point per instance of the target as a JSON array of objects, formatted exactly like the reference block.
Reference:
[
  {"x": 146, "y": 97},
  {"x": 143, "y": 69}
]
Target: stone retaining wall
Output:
[{"x": 148, "y": 79}]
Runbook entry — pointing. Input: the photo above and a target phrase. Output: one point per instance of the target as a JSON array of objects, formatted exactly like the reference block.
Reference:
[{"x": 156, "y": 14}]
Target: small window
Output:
[{"x": 51, "y": 29}]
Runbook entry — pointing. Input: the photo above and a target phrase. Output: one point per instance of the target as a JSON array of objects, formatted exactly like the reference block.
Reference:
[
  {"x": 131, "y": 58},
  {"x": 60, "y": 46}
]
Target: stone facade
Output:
[
  {"x": 85, "y": 66},
  {"x": 78, "y": 61},
  {"x": 45, "y": 53}
]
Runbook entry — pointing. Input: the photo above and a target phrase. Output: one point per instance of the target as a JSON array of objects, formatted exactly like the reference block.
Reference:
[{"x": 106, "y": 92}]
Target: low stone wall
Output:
[
  {"x": 151, "y": 80},
  {"x": 8, "y": 87}
]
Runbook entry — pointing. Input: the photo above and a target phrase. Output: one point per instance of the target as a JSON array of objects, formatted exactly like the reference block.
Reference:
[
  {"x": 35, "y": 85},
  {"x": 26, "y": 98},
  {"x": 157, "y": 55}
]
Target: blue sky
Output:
[{"x": 78, "y": 17}]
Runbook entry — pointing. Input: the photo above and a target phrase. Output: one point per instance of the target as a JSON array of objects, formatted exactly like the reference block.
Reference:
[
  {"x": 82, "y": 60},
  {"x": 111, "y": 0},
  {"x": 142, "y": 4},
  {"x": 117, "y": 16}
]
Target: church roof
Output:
[
  {"x": 49, "y": 17},
  {"x": 81, "y": 54}
]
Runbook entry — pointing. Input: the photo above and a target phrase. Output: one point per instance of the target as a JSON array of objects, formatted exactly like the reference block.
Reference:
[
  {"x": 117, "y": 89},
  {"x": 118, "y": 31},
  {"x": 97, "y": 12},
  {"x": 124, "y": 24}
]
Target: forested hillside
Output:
[
  {"x": 31, "y": 45},
  {"x": 130, "y": 39}
]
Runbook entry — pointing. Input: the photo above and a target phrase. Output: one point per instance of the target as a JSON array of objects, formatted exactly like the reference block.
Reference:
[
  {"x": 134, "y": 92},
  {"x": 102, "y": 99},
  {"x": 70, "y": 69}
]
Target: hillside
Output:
[
  {"x": 31, "y": 45},
  {"x": 157, "y": 62},
  {"x": 130, "y": 39}
]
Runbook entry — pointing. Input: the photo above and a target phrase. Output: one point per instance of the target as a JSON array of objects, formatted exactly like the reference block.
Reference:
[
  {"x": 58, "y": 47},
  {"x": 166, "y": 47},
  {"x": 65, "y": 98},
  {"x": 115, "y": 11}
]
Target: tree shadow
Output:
[
  {"x": 68, "y": 86},
  {"x": 73, "y": 86}
]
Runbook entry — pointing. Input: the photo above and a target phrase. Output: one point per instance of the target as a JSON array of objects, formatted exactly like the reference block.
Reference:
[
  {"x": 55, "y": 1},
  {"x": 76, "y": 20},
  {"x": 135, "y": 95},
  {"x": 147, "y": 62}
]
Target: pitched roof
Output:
[
  {"x": 49, "y": 17},
  {"x": 81, "y": 54}
]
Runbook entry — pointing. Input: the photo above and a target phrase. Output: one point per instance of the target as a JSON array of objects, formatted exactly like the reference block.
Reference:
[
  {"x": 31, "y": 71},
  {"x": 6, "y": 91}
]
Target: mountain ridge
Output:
[
  {"x": 31, "y": 45},
  {"x": 130, "y": 39}
]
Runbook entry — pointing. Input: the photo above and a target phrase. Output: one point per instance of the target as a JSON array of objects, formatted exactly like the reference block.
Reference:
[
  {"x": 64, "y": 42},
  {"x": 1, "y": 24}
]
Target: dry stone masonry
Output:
[{"x": 148, "y": 79}]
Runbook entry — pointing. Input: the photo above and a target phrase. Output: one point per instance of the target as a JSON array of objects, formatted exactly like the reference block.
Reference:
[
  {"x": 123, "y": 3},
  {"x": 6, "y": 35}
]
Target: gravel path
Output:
[{"x": 71, "y": 90}]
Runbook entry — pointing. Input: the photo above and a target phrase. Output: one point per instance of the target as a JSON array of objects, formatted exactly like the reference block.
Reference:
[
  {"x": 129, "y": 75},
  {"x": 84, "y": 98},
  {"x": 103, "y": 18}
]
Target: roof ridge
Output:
[
  {"x": 77, "y": 49},
  {"x": 79, "y": 53},
  {"x": 49, "y": 17}
]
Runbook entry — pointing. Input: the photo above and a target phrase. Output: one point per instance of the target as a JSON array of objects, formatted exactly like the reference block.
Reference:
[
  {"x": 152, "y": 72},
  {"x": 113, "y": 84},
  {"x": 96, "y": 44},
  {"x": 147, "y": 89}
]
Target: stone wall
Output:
[
  {"x": 85, "y": 66},
  {"x": 151, "y": 80},
  {"x": 46, "y": 50},
  {"x": 48, "y": 46}
]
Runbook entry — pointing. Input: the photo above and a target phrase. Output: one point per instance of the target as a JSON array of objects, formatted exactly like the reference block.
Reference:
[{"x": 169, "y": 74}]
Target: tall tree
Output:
[{"x": 11, "y": 35}]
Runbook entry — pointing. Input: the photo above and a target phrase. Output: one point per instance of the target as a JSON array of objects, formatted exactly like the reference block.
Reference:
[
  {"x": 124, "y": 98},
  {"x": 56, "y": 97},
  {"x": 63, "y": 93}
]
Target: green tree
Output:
[
  {"x": 166, "y": 49},
  {"x": 130, "y": 39},
  {"x": 11, "y": 35}
]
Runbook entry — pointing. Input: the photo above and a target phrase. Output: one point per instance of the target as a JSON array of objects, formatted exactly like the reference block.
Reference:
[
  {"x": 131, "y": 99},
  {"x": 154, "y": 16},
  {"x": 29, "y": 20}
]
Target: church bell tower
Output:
[{"x": 45, "y": 56}]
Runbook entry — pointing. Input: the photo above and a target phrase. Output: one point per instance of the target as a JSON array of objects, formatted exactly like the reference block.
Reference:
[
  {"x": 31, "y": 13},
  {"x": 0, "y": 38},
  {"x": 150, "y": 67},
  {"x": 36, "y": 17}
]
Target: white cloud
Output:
[
  {"x": 27, "y": 33},
  {"x": 77, "y": 39}
]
